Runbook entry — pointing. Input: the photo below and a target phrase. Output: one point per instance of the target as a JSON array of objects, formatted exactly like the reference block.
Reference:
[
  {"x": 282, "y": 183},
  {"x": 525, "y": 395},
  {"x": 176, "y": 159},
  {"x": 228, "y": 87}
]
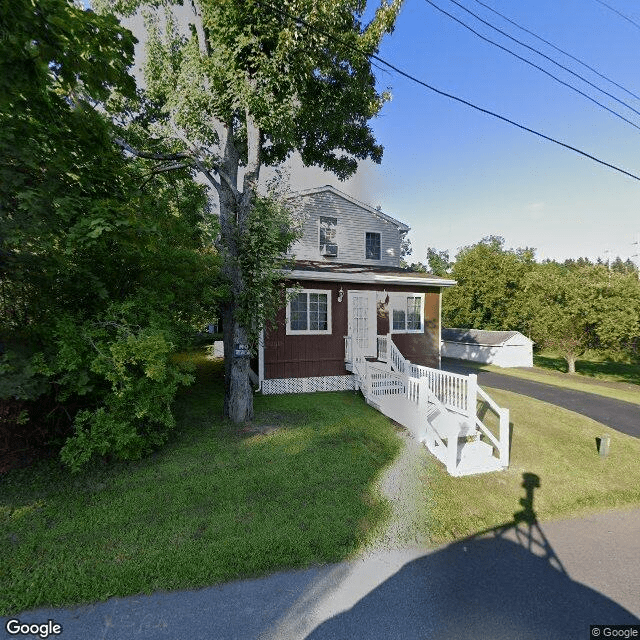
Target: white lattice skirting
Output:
[{"x": 308, "y": 385}]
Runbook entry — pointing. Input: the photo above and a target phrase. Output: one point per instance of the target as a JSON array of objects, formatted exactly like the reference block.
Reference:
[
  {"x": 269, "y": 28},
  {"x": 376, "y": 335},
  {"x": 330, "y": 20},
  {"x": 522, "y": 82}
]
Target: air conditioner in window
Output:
[{"x": 329, "y": 250}]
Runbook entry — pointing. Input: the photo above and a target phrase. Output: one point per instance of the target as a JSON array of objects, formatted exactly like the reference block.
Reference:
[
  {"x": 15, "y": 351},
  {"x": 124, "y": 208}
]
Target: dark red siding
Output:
[
  {"x": 307, "y": 356},
  {"x": 323, "y": 355}
]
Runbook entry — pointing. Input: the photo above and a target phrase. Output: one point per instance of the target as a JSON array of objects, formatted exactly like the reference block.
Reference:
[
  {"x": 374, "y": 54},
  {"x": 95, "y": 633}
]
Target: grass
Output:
[
  {"x": 620, "y": 381},
  {"x": 292, "y": 489},
  {"x": 592, "y": 367},
  {"x": 297, "y": 487},
  {"x": 556, "y": 445}
]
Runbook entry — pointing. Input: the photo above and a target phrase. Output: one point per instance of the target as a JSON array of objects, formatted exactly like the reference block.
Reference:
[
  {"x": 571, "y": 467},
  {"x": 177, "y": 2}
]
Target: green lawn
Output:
[
  {"x": 296, "y": 487},
  {"x": 592, "y": 367},
  {"x": 556, "y": 445},
  {"x": 293, "y": 489},
  {"x": 611, "y": 379}
]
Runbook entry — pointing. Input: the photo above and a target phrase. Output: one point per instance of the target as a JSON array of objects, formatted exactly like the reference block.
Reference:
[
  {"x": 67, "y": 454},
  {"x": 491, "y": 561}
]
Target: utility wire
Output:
[
  {"x": 448, "y": 95},
  {"x": 553, "y": 46},
  {"x": 633, "y": 22},
  {"x": 546, "y": 57},
  {"x": 533, "y": 64}
]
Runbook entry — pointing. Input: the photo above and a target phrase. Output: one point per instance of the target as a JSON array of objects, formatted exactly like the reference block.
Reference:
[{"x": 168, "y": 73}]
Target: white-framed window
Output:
[
  {"x": 406, "y": 313},
  {"x": 308, "y": 311},
  {"x": 372, "y": 246},
  {"x": 327, "y": 237}
]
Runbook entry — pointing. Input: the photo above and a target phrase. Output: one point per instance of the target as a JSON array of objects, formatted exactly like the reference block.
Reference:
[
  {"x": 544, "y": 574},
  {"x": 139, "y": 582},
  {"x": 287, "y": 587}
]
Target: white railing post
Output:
[
  {"x": 423, "y": 397},
  {"x": 504, "y": 437},
  {"x": 472, "y": 396},
  {"x": 452, "y": 452},
  {"x": 367, "y": 381}
]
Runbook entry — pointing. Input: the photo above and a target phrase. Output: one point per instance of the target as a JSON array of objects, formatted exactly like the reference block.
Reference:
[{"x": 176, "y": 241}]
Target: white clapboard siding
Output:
[{"x": 354, "y": 221}]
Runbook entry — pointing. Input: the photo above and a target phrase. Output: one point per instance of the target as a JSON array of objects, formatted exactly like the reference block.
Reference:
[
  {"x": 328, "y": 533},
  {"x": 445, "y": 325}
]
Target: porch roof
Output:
[{"x": 342, "y": 272}]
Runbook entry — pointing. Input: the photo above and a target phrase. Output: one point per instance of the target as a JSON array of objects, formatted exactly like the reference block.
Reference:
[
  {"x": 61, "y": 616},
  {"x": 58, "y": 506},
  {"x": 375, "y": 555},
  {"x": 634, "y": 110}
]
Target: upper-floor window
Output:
[
  {"x": 309, "y": 312},
  {"x": 328, "y": 228},
  {"x": 407, "y": 313},
  {"x": 372, "y": 246}
]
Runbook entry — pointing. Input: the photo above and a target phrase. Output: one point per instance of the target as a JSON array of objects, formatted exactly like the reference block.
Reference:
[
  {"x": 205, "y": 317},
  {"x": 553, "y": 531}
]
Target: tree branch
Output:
[
  {"x": 164, "y": 157},
  {"x": 163, "y": 169},
  {"x": 254, "y": 145},
  {"x": 202, "y": 38}
]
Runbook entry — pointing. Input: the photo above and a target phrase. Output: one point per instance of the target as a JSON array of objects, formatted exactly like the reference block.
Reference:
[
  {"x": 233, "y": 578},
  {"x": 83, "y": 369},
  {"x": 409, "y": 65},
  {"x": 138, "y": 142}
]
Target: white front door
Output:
[{"x": 363, "y": 323}]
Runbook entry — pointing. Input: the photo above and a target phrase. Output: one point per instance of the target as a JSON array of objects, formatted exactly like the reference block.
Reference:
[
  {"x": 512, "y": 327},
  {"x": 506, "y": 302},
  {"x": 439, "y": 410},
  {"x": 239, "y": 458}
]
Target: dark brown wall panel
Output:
[{"x": 323, "y": 355}]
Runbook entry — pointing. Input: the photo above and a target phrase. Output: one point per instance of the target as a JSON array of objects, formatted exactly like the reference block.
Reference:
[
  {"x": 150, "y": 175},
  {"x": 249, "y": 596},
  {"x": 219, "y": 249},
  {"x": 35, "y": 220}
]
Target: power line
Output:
[
  {"x": 546, "y": 57},
  {"x": 505, "y": 119},
  {"x": 562, "y": 51},
  {"x": 449, "y": 95},
  {"x": 633, "y": 22},
  {"x": 533, "y": 64}
]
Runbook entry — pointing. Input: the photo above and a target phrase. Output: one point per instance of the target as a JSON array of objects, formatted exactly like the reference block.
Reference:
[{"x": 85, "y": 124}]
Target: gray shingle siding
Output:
[{"x": 353, "y": 224}]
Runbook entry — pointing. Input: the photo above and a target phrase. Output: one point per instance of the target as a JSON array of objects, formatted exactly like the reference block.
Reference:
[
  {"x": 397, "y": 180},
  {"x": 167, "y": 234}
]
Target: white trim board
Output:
[{"x": 366, "y": 278}]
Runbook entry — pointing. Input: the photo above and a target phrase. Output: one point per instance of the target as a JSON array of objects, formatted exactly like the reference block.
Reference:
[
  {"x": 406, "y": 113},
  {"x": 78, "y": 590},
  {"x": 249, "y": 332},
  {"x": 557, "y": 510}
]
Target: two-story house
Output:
[{"x": 347, "y": 281}]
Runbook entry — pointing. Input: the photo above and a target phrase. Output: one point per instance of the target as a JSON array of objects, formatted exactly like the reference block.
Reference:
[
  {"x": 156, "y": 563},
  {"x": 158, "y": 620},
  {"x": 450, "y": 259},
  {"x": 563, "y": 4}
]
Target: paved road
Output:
[
  {"x": 527, "y": 582},
  {"x": 617, "y": 414}
]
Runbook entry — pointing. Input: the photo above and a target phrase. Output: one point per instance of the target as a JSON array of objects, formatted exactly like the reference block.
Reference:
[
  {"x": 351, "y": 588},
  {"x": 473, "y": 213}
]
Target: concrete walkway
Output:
[
  {"x": 524, "y": 581},
  {"x": 617, "y": 414}
]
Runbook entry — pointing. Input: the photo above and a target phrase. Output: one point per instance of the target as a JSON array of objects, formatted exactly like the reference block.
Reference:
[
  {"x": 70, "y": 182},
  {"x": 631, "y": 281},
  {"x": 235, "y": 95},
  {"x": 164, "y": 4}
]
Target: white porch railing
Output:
[
  {"x": 501, "y": 443},
  {"x": 440, "y": 407},
  {"x": 383, "y": 353}
]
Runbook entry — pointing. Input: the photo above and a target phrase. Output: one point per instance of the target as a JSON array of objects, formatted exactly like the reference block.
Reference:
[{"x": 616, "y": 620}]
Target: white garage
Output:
[{"x": 501, "y": 348}]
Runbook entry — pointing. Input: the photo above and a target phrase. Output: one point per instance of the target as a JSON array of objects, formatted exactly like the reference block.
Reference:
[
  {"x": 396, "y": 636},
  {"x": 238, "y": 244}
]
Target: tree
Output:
[
  {"x": 439, "y": 263},
  {"x": 104, "y": 269},
  {"x": 248, "y": 83},
  {"x": 558, "y": 312},
  {"x": 581, "y": 306},
  {"x": 488, "y": 280}
]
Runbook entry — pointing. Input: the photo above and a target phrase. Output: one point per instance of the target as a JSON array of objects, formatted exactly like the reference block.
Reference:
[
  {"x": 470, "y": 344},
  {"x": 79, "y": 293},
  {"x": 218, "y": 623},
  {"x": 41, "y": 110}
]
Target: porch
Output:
[{"x": 446, "y": 411}]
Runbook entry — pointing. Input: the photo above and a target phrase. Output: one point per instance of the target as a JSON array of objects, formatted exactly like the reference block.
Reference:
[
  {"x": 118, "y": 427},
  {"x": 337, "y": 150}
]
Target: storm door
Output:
[{"x": 363, "y": 321}]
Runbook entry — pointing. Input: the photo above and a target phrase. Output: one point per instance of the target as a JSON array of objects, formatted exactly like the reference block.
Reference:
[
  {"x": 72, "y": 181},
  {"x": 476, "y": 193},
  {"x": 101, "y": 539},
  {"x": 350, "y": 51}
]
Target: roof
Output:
[
  {"x": 480, "y": 337},
  {"x": 342, "y": 272},
  {"x": 331, "y": 189}
]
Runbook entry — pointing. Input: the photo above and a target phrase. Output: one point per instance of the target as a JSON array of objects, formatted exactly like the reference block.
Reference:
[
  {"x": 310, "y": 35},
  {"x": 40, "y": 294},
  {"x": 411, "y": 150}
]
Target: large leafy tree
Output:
[
  {"x": 243, "y": 86},
  {"x": 104, "y": 265},
  {"x": 575, "y": 307},
  {"x": 489, "y": 279}
]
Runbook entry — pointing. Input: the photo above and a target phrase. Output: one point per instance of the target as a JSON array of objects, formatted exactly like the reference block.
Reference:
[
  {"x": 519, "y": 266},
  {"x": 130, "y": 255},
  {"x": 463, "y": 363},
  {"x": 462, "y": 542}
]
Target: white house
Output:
[{"x": 502, "y": 348}]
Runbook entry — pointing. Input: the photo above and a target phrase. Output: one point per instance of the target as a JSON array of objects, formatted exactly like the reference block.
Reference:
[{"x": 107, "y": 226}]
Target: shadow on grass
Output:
[
  {"x": 505, "y": 582},
  {"x": 599, "y": 369}
]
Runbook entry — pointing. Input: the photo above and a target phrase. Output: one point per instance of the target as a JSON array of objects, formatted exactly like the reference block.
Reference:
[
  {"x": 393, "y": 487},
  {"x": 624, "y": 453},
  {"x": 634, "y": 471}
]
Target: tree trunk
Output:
[
  {"x": 571, "y": 364},
  {"x": 238, "y": 396},
  {"x": 238, "y": 392},
  {"x": 235, "y": 207}
]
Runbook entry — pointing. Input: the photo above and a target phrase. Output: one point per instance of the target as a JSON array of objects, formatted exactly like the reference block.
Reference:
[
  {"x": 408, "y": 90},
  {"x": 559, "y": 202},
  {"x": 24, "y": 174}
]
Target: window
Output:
[
  {"x": 309, "y": 312},
  {"x": 372, "y": 246},
  {"x": 328, "y": 228},
  {"x": 407, "y": 313}
]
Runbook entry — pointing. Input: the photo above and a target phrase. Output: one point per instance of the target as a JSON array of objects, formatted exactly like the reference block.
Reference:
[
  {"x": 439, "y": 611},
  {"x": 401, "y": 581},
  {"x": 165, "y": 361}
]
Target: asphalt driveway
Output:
[{"x": 617, "y": 414}]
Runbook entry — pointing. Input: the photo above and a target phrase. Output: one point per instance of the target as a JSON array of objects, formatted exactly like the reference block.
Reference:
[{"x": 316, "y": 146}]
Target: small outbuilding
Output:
[{"x": 501, "y": 348}]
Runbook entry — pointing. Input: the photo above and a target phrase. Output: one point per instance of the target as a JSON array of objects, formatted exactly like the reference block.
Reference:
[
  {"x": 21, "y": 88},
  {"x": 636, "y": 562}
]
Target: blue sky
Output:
[{"x": 455, "y": 175}]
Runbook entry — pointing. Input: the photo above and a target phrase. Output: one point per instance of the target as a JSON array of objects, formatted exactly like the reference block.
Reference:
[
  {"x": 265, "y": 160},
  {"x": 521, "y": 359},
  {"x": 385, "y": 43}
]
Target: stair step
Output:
[{"x": 477, "y": 457}]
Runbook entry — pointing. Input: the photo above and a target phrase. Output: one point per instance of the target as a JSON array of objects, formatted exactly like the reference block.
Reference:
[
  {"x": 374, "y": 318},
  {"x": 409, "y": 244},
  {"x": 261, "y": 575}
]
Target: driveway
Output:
[{"x": 617, "y": 414}]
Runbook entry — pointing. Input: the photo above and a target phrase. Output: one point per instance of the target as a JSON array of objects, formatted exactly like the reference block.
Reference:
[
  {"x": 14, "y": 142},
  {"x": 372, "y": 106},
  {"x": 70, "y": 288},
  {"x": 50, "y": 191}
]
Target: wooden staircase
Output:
[{"x": 439, "y": 408}]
